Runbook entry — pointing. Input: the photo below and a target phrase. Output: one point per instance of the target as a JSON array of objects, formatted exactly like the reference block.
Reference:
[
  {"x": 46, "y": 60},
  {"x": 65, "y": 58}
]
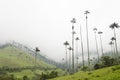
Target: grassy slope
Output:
[
  {"x": 13, "y": 57},
  {"x": 101, "y": 74}
]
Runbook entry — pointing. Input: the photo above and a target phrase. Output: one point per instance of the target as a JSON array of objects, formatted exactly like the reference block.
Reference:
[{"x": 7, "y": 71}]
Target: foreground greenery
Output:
[{"x": 108, "y": 73}]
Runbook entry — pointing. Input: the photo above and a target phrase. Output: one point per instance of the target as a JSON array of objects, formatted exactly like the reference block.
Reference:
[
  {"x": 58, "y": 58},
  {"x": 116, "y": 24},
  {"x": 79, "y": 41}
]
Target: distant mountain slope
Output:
[{"x": 14, "y": 57}]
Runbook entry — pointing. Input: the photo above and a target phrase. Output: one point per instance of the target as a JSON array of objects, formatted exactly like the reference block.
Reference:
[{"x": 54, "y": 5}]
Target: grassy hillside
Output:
[
  {"x": 17, "y": 62},
  {"x": 15, "y": 58},
  {"x": 14, "y": 61},
  {"x": 110, "y": 73}
]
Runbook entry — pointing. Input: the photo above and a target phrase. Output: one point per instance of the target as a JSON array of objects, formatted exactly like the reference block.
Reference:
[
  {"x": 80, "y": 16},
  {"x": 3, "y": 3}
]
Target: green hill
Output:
[
  {"x": 109, "y": 73},
  {"x": 20, "y": 61},
  {"x": 13, "y": 57}
]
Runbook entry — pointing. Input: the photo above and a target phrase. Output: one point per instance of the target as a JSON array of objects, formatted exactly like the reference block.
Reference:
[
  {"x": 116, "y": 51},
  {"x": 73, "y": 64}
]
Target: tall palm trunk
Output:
[
  {"x": 111, "y": 45},
  {"x": 66, "y": 57},
  {"x": 73, "y": 32},
  {"x": 73, "y": 51},
  {"x": 36, "y": 50},
  {"x": 66, "y": 44},
  {"x": 96, "y": 46},
  {"x": 116, "y": 46},
  {"x": 77, "y": 53},
  {"x": 114, "y": 51},
  {"x": 35, "y": 59},
  {"x": 88, "y": 44},
  {"x": 101, "y": 45},
  {"x": 69, "y": 61},
  {"x": 82, "y": 47}
]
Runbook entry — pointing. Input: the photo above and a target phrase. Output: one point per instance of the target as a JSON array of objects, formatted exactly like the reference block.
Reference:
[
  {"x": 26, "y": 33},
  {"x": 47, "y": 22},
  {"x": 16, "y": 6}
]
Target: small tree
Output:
[{"x": 107, "y": 61}]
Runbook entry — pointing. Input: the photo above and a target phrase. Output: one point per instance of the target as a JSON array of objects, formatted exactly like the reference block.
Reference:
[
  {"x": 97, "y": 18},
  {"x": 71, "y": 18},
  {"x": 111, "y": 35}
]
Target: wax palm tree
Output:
[
  {"x": 86, "y": 13},
  {"x": 63, "y": 62},
  {"x": 100, "y": 32},
  {"x": 113, "y": 40},
  {"x": 82, "y": 47},
  {"x": 111, "y": 44},
  {"x": 66, "y": 44},
  {"x": 36, "y": 51},
  {"x": 73, "y": 32},
  {"x": 70, "y": 49},
  {"x": 113, "y": 26},
  {"x": 77, "y": 38},
  {"x": 95, "y": 30}
]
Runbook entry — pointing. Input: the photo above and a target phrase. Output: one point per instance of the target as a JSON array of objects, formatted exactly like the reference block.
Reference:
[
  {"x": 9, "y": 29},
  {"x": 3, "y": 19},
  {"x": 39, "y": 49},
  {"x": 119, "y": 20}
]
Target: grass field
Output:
[{"x": 109, "y": 73}]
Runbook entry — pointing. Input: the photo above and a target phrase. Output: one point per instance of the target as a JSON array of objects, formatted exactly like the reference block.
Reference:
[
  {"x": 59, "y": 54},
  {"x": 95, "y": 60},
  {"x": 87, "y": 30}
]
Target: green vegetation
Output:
[
  {"x": 109, "y": 73},
  {"x": 16, "y": 64}
]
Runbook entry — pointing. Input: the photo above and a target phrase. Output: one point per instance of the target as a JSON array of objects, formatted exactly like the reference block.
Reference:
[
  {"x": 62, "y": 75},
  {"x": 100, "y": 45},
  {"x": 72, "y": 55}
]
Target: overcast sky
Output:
[{"x": 46, "y": 23}]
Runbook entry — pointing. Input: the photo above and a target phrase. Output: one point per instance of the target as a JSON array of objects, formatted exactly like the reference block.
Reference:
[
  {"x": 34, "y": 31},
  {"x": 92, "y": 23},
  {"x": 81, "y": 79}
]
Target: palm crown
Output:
[
  {"x": 95, "y": 29},
  {"x": 73, "y": 20},
  {"x": 37, "y": 50},
  {"x": 113, "y": 38},
  {"x": 66, "y": 43},
  {"x": 77, "y": 38},
  {"x": 114, "y": 25},
  {"x": 111, "y": 43},
  {"x": 100, "y": 32},
  {"x": 70, "y": 48}
]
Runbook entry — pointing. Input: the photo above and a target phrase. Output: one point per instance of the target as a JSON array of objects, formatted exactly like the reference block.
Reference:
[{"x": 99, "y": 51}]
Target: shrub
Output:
[
  {"x": 85, "y": 68},
  {"x": 89, "y": 73},
  {"x": 25, "y": 78},
  {"x": 98, "y": 66},
  {"x": 107, "y": 61}
]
